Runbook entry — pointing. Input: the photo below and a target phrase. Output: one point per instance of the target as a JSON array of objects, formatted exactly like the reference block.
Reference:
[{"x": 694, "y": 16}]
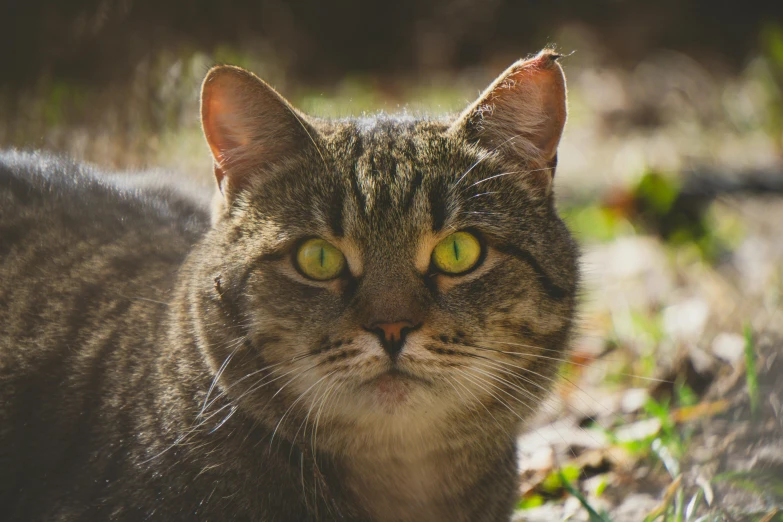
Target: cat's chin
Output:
[{"x": 392, "y": 389}]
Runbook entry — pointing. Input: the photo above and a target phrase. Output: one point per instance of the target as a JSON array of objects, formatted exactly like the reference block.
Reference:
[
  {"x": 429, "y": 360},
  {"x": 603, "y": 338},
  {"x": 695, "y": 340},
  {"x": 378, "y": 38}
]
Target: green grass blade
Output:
[{"x": 592, "y": 513}]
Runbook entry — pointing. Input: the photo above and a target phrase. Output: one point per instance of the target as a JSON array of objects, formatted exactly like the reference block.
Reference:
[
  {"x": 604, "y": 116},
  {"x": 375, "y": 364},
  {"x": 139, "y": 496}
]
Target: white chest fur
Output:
[{"x": 405, "y": 487}]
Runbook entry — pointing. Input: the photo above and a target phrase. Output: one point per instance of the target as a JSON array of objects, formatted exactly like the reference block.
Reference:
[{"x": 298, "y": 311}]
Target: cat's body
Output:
[{"x": 156, "y": 367}]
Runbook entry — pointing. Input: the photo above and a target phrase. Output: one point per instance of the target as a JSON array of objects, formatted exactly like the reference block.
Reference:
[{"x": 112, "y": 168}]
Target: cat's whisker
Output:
[
  {"x": 256, "y": 386},
  {"x": 504, "y": 403},
  {"x": 231, "y": 412},
  {"x": 468, "y": 368},
  {"x": 304, "y": 127},
  {"x": 313, "y": 404},
  {"x": 548, "y": 379},
  {"x": 144, "y": 299},
  {"x": 480, "y": 213},
  {"x": 520, "y": 401},
  {"x": 532, "y": 396},
  {"x": 495, "y": 176},
  {"x": 457, "y": 392},
  {"x": 516, "y": 366},
  {"x": 512, "y": 374},
  {"x": 482, "y": 157},
  {"x": 560, "y": 359},
  {"x": 472, "y": 408},
  {"x": 337, "y": 385},
  {"x": 471, "y": 402},
  {"x": 479, "y": 382},
  {"x": 341, "y": 387},
  {"x": 344, "y": 388},
  {"x": 602, "y": 356},
  {"x": 253, "y": 388},
  {"x": 479, "y": 402},
  {"x": 224, "y": 392},
  {"x": 301, "y": 395},
  {"x": 181, "y": 439},
  {"x": 483, "y": 194},
  {"x": 486, "y": 155},
  {"x": 523, "y": 345},
  {"x": 504, "y": 366},
  {"x": 528, "y": 370},
  {"x": 239, "y": 342},
  {"x": 314, "y": 443},
  {"x": 499, "y": 365}
]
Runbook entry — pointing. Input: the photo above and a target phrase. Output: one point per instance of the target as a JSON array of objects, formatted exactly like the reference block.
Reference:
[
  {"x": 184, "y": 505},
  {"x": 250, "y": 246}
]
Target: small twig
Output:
[{"x": 667, "y": 500}]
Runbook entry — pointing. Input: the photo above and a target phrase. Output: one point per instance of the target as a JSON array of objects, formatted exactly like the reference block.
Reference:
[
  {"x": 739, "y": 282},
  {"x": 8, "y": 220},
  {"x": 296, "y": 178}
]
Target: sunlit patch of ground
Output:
[{"x": 653, "y": 415}]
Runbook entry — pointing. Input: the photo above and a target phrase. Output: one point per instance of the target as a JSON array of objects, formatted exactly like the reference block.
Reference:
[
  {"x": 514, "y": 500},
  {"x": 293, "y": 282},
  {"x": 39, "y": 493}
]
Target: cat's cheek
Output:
[{"x": 540, "y": 316}]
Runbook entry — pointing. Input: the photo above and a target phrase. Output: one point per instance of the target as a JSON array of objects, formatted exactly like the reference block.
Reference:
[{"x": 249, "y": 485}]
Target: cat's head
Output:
[{"x": 386, "y": 271}]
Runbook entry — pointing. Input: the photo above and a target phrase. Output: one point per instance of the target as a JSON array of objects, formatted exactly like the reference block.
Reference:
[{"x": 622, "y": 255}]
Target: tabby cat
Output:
[{"x": 358, "y": 331}]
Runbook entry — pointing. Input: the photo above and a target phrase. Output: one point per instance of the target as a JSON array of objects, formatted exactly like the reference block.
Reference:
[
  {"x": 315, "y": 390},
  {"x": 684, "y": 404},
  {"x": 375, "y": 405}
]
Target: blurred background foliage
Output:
[{"x": 666, "y": 85}]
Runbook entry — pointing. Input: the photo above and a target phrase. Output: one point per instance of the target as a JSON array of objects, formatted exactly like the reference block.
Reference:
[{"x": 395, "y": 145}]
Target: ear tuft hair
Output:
[{"x": 522, "y": 113}]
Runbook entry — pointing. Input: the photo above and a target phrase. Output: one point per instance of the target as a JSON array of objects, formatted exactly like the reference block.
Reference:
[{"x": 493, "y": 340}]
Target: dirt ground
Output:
[{"x": 677, "y": 432}]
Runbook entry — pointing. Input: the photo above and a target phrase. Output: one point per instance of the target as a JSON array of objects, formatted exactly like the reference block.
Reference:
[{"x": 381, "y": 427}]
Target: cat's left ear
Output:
[
  {"x": 522, "y": 114},
  {"x": 249, "y": 127}
]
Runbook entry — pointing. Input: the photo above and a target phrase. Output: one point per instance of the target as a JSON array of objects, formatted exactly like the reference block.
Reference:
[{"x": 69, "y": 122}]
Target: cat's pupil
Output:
[
  {"x": 321, "y": 256},
  {"x": 456, "y": 251}
]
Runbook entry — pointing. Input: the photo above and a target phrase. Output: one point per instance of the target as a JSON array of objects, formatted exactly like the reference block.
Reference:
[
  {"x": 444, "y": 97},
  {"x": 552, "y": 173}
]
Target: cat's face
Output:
[{"x": 387, "y": 270}]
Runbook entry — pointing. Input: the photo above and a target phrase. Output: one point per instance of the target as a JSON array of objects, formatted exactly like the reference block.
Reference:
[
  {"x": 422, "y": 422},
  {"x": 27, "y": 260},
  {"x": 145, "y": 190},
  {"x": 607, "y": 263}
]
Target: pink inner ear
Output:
[
  {"x": 548, "y": 77},
  {"x": 222, "y": 127},
  {"x": 212, "y": 108},
  {"x": 533, "y": 95},
  {"x": 226, "y": 123},
  {"x": 249, "y": 127},
  {"x": 524, "y": 111}
]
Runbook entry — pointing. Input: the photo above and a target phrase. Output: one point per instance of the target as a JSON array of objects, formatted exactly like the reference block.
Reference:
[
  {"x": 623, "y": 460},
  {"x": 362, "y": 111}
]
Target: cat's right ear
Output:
[{"x": 249, "y": 127}]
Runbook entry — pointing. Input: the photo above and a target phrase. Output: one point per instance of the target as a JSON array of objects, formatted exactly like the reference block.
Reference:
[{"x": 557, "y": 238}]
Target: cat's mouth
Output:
[
  {"x": 397, "y": 373},
  {"x": 393, "y": 386}
]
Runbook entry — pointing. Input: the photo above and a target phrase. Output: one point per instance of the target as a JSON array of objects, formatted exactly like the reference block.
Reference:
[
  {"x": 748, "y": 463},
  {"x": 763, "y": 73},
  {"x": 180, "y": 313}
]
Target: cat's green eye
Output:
[
  {"x": 319, "y": 260},
  {"x": 457, "y": 254}
]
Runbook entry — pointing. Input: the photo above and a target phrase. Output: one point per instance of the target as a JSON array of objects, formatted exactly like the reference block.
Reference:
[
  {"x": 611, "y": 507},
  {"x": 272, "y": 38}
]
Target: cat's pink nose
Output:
[
  {"x": 393, "y": 331},
  {"x": 392, "y": 335}
]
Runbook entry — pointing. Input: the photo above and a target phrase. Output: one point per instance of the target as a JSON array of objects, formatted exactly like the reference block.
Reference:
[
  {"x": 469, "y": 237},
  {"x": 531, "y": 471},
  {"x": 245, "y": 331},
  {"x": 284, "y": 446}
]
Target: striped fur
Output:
[{"x": 155, "y": 365}]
